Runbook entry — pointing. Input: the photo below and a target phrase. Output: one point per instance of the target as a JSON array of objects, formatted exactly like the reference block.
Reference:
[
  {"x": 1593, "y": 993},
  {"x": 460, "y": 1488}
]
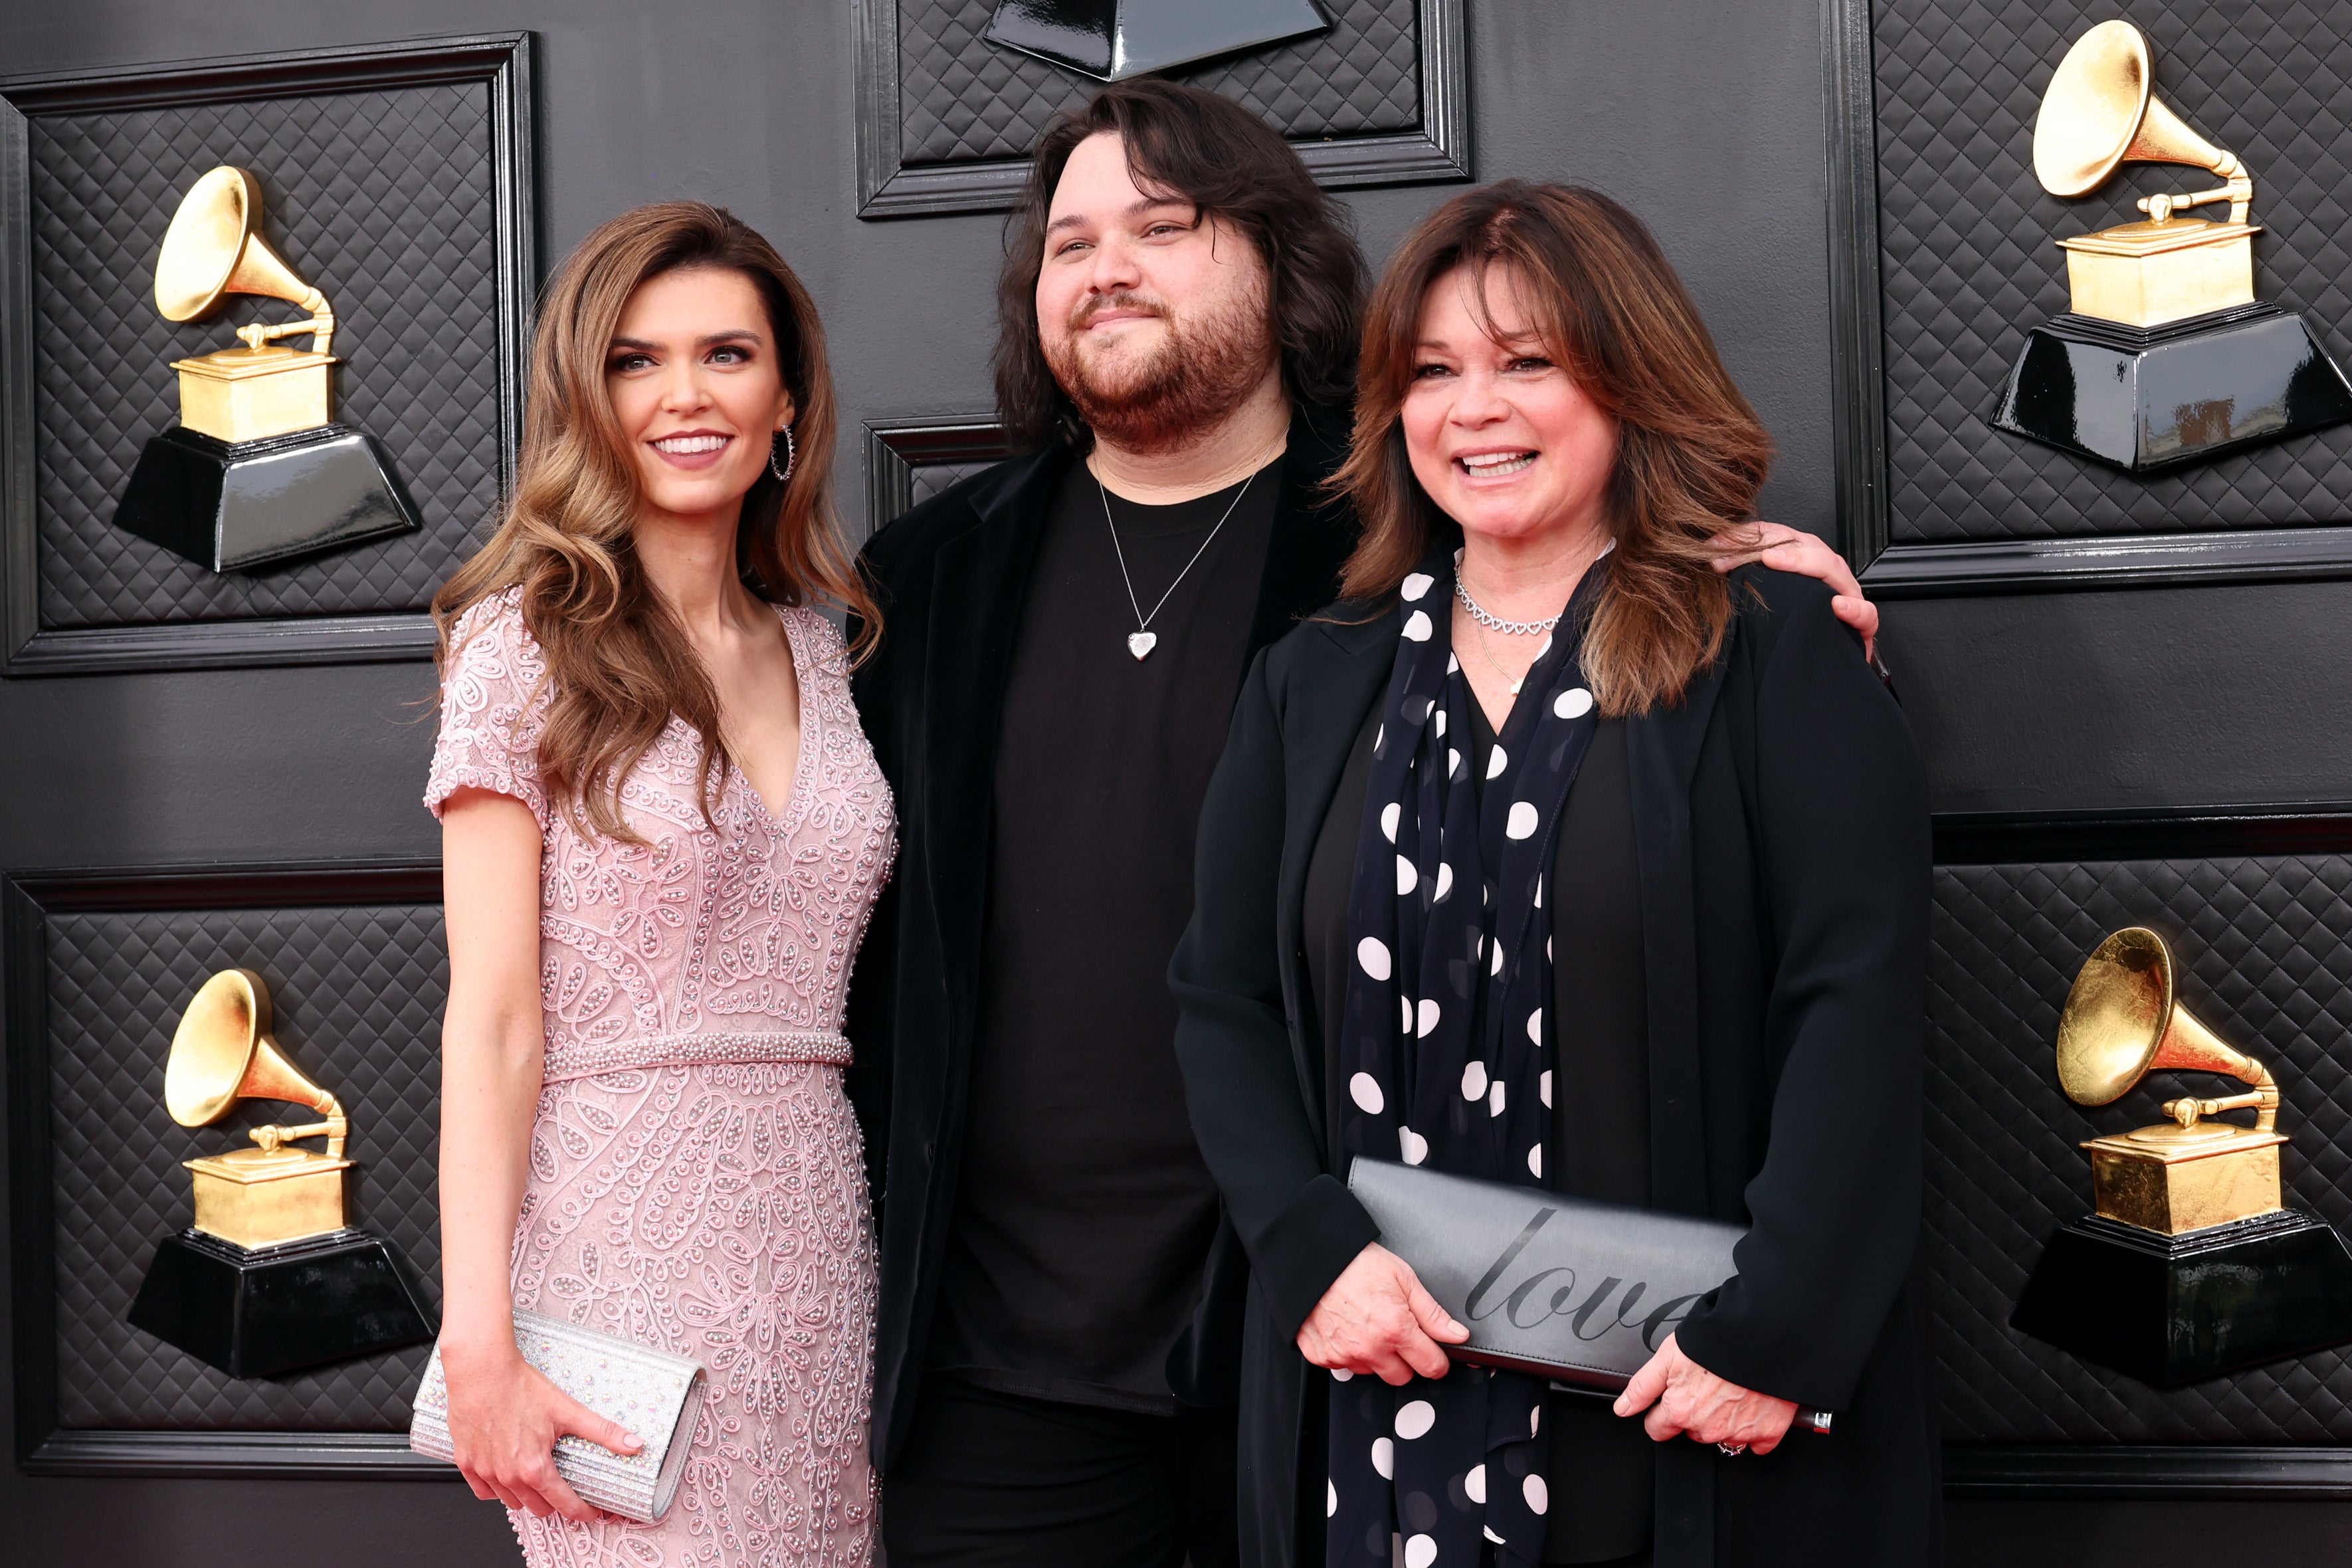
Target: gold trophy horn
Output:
[
  {"x": 222, "y": 1053},
  {"x": 215, "y": 248},
  {"x": 2123, "y": 1021},
  {"x": 2100, "y": 113}
]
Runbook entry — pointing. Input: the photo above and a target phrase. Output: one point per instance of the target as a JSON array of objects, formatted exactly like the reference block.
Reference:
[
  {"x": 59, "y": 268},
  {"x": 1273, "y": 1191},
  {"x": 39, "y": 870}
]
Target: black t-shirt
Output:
[
  {"x": 1084, "y": 1212},
  {"x": 1601, "y": 1464}
]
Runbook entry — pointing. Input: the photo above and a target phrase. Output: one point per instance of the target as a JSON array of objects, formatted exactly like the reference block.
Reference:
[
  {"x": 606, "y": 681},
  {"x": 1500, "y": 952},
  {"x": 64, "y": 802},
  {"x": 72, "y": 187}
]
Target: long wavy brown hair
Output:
[
  {"x": 1610, "y": 311},
  {"x": 1230, "y": 164},
  {"x": 618, "y": 662}
]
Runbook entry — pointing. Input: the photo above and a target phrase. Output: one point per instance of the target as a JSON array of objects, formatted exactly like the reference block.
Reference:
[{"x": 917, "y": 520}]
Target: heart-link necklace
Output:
[
  {"x": 1143, "y": 640},
  {"x": 1487, "y": 621}
]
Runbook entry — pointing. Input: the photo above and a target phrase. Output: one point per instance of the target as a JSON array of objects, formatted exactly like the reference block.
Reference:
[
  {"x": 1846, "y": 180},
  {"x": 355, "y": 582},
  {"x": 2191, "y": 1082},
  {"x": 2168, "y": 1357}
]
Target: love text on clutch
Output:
[{"x": 1551, "y": 1293}]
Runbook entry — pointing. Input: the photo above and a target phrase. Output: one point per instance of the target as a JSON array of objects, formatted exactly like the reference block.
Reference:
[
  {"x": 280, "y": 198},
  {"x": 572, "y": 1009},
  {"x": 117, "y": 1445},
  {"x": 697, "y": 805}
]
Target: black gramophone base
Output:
[
  {"x": 2170, "y": 1310},
  {"x": 2146, "y": 399},
  {"x": 1111, "y": 40},
  {"x": 260, "y": 1311},
  {"x": 234, "y": 506}
]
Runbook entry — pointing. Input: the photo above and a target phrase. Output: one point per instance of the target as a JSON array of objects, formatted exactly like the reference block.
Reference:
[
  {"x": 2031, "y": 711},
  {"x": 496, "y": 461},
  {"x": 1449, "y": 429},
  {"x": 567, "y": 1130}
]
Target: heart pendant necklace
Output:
[{"x": 1143, "y": 639}]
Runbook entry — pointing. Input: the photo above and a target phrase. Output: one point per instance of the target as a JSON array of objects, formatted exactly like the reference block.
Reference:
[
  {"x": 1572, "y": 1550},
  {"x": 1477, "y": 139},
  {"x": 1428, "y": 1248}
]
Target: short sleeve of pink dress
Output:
[
  {"x": 491, "y": 709},
  {"x": 696, "y": 1177}
]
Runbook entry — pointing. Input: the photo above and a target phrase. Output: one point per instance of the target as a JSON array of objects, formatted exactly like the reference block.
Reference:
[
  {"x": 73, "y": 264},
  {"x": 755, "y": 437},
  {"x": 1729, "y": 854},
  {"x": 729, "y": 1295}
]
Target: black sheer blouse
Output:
[{"x": 1601, "y": 1464}]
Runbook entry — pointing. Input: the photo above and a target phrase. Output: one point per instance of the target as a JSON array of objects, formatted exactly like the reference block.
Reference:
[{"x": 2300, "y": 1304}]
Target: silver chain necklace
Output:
[
  {"x": 1494, "y": 623},
  {"x": 1143, "y": 640}
]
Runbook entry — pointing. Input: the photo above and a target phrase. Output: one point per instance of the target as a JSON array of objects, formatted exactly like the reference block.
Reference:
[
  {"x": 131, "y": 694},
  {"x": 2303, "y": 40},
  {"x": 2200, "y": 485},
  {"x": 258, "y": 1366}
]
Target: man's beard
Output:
[{"x": 1202, "y": 370}]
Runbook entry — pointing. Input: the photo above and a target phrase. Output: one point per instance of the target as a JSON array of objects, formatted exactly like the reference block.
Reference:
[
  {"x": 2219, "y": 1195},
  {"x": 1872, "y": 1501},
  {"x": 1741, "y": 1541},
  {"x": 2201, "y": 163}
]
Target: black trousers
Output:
[{"x": 990, "y": 1480}]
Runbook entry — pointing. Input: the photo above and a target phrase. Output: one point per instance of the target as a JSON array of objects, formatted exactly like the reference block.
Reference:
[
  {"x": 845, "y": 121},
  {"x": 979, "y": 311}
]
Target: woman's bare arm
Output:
[{"x": 504, "y": 1417}]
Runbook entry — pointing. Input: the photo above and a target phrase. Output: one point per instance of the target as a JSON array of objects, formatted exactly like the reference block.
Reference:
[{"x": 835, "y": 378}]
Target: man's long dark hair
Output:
[{"x": 1234, "y": 166}]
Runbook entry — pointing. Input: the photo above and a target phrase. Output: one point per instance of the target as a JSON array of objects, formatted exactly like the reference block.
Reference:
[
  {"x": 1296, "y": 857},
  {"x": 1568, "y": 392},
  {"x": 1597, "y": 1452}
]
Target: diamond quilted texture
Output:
[
  {"x": 961, "y": 97},
  {"x": 932, "y": 478},
  {"x": 384, "y": 200},
  {"x": 1971, "y": 264},
  {"x": 2265, "y": 949},
  {"x": 358, "y": 994}
]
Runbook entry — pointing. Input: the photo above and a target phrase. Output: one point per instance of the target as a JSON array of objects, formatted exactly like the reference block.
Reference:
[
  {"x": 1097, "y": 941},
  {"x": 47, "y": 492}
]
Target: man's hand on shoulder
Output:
[{"x": 1786, "y": 549}]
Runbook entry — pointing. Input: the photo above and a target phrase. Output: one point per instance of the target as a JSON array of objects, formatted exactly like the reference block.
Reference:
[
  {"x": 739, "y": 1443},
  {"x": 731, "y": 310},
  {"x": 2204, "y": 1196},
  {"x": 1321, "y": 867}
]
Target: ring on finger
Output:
[{"x": 1731, "y": 1449}]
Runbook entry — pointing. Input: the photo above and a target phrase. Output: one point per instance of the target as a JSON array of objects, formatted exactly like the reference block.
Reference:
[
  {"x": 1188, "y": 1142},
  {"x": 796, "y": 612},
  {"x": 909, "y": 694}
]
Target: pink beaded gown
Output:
[{"x": 696, "y": 1180}]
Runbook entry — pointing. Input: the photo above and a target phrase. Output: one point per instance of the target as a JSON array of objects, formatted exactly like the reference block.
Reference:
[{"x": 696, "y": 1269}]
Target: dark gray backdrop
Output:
[{"x": 1706, "y": 115}]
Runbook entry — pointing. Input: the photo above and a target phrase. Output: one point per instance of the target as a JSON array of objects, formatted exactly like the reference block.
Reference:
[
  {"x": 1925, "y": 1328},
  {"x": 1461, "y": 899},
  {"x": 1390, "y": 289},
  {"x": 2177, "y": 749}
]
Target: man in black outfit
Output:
[{"x": 1064, "y": 639}]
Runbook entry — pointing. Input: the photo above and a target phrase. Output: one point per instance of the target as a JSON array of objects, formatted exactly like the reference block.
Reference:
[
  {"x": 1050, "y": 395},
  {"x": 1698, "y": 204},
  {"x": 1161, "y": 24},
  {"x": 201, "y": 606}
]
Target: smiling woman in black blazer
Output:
[{"x": 1691, "y": 977}]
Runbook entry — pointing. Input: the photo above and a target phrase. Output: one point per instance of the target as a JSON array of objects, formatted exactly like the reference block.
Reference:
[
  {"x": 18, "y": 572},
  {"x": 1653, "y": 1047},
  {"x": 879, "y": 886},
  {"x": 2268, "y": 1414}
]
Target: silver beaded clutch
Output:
[{"x": 652, "y": 1393}]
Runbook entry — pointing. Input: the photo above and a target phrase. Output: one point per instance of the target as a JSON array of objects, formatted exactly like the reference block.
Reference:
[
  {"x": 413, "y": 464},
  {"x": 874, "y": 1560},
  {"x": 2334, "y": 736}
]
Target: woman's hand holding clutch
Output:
[
  {"x": 1685, "y": 1399},
  {"x": 504, "y": 1420},
  {"x": 1377, "y": 1318}
]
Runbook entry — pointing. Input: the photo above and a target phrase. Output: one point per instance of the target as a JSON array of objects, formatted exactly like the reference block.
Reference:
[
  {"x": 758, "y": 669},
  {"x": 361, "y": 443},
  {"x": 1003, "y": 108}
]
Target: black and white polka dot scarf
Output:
[{"x": 1447, "y": 1043}]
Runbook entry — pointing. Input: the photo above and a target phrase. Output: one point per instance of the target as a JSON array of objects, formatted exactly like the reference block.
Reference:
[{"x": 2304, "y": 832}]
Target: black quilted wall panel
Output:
[
  {"x": 1970, "y": 261},
  {"x": 934, "y": 478},
  {"x": 962, "y": 98},
  {"x": 357, "y": 993},
  {"x": 384, "y": 200},
  {"x": 2265, "y": 952}
]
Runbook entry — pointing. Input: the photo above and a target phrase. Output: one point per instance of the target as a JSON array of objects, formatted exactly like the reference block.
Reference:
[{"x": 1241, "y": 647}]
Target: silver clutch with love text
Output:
[
  {"x": 1572, "y": 1289},
  {"x": 652, "y": 1393}
]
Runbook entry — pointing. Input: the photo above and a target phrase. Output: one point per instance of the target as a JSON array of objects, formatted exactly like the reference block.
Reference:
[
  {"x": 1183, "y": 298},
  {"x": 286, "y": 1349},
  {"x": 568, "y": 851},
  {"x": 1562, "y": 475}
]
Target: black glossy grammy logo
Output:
[
  {"x": 2166, "y": 356},
  {"x": 1111, "y": 40},
  {"x": 2193, "y": 1264},
  {"x": 258, "y": 471},
  {"x": 272, "y": 1277}
]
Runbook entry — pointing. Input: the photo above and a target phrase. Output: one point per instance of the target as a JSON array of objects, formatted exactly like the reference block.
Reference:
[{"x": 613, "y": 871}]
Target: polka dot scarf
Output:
[{"x": 1447, "y": 1043}]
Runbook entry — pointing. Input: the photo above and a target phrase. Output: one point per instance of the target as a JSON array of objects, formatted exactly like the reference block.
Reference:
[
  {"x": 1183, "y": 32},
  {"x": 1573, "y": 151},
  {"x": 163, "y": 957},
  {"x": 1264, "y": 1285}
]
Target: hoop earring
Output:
[{"x": 790, "y": 456}]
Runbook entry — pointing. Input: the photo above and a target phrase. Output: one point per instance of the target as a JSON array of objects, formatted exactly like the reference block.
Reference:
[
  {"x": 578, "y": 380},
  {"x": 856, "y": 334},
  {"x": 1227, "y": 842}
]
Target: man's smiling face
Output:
[{"x": 1153, "y": 317}]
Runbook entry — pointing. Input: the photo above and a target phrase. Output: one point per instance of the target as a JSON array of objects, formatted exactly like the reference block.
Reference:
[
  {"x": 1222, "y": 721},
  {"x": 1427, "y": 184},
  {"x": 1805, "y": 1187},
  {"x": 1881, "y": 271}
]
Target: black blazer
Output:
[
  {"x": 1780, "y": 826},
  {"x": 950, "y": 577}
]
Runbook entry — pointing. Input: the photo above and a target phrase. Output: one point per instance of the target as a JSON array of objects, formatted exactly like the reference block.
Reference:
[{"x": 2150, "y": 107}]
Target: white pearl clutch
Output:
[{"x": 652, "y": 1393}]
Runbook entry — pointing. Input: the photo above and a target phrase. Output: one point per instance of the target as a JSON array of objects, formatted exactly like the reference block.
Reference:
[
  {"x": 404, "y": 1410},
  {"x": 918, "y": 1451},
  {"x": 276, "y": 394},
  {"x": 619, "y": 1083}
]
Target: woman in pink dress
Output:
[{"x": 663, "y": 833}]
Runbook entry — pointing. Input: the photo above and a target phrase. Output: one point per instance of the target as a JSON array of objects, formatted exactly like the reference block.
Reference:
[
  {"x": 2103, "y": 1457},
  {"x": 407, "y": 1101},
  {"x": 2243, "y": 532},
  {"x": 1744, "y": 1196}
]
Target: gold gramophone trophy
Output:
[
  {"x": 2191, "y": 1264},
  {"x": 2166, "y": 357},
  {"x": 256, "y": 472},
  {"x": 271, "y": 1277}
]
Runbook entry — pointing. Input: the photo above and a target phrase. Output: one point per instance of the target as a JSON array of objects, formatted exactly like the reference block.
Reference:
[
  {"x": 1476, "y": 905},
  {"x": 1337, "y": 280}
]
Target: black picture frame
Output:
[
  {"x": 1438, "y": 150},
  {"x": 26, "y": 899},
  {"x": 1858, "y": 413},
  {"x": 503, "y": 62},
  {"x": 2125, "y": 1472},
  {"x": 896, "y": 449}
]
